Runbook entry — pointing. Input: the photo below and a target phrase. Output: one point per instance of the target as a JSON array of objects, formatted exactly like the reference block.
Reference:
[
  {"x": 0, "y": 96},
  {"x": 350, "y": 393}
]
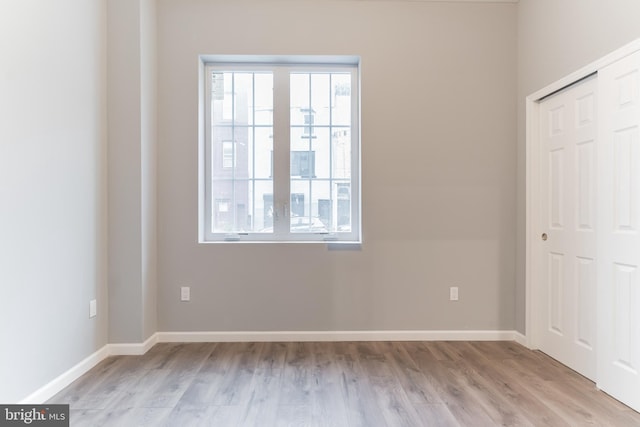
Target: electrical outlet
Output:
[
  {"x": 453, "y": 293},
  {"x": 185, "y": 293},
  {"x": 93, "y": 308}
]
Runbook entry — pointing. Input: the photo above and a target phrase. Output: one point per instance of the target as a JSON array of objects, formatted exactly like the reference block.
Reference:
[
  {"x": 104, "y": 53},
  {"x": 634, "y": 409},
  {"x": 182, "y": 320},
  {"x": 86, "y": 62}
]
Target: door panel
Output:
[
  {"x": 556, "y": 291},
  {"x": 586, "y": 289},
  {"x": 556, "y": 179},
  {"x": 567, "y": 216},
  {"x": 619, "y": 241},
  {"x": 586, "y": 186}
]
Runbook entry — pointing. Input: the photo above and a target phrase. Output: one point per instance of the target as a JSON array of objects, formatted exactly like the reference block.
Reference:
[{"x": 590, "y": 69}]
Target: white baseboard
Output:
[
  {"x": 288, "y": 336},
  {"x": 58, "y": 384},
  {"x": 135, "y": 349},
  {"x": 520, "y": 339},
  {"x": 53, "y": 387}
]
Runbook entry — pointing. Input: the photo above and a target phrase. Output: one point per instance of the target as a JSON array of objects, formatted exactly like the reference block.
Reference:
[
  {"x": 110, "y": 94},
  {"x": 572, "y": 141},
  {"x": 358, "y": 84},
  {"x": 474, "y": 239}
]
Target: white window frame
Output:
[{"x": 281, "y": 66}]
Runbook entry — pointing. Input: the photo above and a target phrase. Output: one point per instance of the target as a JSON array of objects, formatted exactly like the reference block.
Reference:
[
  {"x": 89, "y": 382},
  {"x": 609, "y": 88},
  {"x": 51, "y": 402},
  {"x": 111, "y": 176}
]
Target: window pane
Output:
[
  {"x": 228, "y": 155},
  {"x": 341, "y": 99},
  {"x": 299, "y": 95},
  {"x": 263, "y": 100},
  {"x": 312, "y": 207},
  {"x": 320, "y": 150},
  {"x": 320, "y": 206},
  {"x": 222, "y": 97},
  {"x": 299, "y": 140},
  {"x": 302, "y": 219},
  {"x": 320, "y": 98},
  {"x": 243, "y": 98},
  {"x": 222, "y": 206},
  {"x": 241, "y": 206},
  {"x": 262, "y": 146},
  {"x": 300, "y": 197},
  {"x": 341, "y": 152},
  {"x": 263, "y": 207},
  {"x": 321, "y": 146},
  {"x": 342, "y": 206},
  {"x": 241, "y": 152}
]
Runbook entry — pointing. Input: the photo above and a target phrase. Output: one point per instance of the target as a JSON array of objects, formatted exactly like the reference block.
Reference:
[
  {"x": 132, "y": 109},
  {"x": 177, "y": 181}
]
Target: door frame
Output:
[{"x": 533, "y": 243}]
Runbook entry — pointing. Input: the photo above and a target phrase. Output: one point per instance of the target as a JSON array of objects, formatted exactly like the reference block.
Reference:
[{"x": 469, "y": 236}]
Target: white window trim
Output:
[{"x": 281, "y": 65}]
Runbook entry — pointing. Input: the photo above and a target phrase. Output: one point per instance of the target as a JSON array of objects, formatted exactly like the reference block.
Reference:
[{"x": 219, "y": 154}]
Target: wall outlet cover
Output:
[
  {"x": 93, "y": 308},
  {"x": 185, "y": 293}
]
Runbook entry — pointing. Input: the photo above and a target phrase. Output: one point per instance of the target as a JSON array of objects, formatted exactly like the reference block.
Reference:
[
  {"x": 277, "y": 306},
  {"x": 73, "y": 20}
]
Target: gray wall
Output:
[
  {"x": 556, "y": 38},
  {"x": 132, "y": 170},
  {"x": 148, "y": 170},
  {"x": 439, "y": 170},
  {"x": 52, "y": 189}
]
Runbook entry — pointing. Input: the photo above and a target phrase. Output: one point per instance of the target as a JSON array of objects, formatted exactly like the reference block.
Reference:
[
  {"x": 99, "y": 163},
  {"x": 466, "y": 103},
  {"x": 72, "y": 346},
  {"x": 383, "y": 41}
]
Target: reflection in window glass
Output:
[
  {"x": 280, "y": 163},
  {"x": 241, "y": 129},
  {"x": 320, "y": 150}
]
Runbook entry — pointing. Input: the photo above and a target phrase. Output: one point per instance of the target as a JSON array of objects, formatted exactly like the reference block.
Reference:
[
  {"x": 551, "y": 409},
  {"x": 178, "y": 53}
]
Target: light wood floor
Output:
[{"x": 339, "y": 384}]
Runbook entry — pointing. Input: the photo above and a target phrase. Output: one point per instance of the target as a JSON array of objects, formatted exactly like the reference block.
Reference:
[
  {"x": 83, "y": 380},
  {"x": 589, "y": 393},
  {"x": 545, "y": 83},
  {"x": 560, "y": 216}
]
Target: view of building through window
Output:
[
  {"x": 241, "y": 150},
  {"x": 242, "y": 146}
]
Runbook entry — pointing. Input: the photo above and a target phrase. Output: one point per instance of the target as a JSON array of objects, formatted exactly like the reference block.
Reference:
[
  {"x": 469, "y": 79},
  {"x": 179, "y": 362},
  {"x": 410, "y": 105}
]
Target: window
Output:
[{"x": 280, "y": 150}]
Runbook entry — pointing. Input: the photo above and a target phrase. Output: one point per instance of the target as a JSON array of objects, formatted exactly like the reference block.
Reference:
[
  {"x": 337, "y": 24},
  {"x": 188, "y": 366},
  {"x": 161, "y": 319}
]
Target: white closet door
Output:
[
  {"x": 619, "y": 241},
  {"x": 567, "y": 226}
]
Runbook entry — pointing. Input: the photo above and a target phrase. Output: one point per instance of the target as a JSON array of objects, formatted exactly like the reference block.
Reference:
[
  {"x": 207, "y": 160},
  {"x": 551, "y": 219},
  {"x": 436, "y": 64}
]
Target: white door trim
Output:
[{"x": 532, "y": 178}]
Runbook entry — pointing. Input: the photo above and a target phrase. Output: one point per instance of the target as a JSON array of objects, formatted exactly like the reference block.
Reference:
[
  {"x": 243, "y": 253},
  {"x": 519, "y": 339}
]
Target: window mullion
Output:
[
  {"x": 309, "y": 150},
  {"x": 252, "y": 151},
  {"x": 354, "y": 179},
  {"x": 233, "y": 206},
  {"x": 281, "y": 150},
  {"x": 333, "y": 199},
  {"x": 208, "y": 197}
]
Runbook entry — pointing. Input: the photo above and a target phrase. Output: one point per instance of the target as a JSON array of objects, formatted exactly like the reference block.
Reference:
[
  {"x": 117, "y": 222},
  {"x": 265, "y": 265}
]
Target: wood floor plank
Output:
[
  {"x": 496, "y": 405},
  {"x": 350, "y": 384},
  {"x": 295, "y": 416},
  {"x": 109, "y": 384},
  {"x": 356, "y": 391},
  {"x": 235, "y": 387},
  {"x": 328, "y": 403},
  {"x": 597, "y": 401},
  {"x": 87, "y": 383},
  {"x": 419, "y": 390},
  {"x": 387, "y": 390},
  {"x": 84, "y": 417},
  {"x": 127, "y": 417},
  {"x": 436, "y": 415},
  {"x": 212, "y": 375},
  {"x": 500, "y": 382},
  {"x": 262, "y": 405},
  {"x": 553, "y": 394},
  {"x": 297, "y": 375},
  {"x": 186, "y": 415},
  {"x": 450, "y": 384}
]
